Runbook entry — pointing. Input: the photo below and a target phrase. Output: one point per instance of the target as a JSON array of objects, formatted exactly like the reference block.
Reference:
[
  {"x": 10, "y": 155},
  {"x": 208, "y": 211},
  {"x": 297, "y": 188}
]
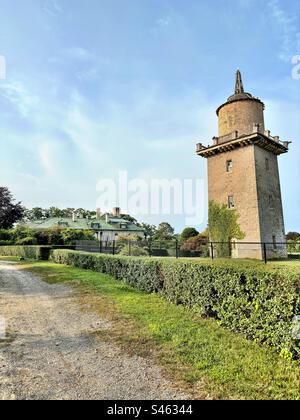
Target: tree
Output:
[
  {"x": 10, "y": 211},
  {"x": 128, "y": 218},
  {"x": 223, "y": 227},
  {"x": 150, "y": 230},
  {"x": 37, "y": 213},
  {"x": 188, "y": 233},
  {"x": 293, "y": 236},
  {"x": 194, "y": 244},
  {"x": 164, "y": 231},
  {"x": 55, "y": 212}
]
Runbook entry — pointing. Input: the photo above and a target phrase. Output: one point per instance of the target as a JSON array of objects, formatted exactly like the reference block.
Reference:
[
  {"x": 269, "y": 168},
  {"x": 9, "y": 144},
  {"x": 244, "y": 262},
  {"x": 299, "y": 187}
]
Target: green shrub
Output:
[
  {"x": 6, "y": 243},
  {"x": 253, "y": 300},
  {"x": 134, "y": 251},
  {"x": 27, "y": 241},
  {"x": 30, "y": 252}
]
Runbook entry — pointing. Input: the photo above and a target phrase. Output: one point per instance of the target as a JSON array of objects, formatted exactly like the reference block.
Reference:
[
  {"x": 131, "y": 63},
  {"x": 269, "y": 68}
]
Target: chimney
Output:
[
  {"x": 98, "y": 213},
  {"x": 116, "y": 211}
]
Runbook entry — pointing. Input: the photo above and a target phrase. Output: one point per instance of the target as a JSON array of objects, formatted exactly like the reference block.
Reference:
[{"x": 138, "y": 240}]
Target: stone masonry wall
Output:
[
  {"x": 241, "y": 116},
  {"x": 241, "y": 184}
]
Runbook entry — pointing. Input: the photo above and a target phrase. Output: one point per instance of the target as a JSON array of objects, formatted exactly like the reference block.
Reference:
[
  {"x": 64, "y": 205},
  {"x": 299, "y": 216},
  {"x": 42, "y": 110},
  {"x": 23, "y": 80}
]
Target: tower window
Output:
[
  {"x": 229, "y": 166},
  {"x": 267, "y": 164},
  {"x": 231, "y": 204}
]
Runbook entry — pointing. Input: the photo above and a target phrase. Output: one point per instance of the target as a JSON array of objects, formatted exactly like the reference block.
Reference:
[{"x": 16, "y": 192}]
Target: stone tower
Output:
[{"x": 243, "y": 173}]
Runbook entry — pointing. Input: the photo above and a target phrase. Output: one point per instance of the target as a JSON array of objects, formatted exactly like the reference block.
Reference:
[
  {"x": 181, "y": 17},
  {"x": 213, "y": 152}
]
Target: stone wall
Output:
[
  {"x": 241, "y": 116},
  {"x": 257, "y": 197},
  {"x": 270, "y": 201}
]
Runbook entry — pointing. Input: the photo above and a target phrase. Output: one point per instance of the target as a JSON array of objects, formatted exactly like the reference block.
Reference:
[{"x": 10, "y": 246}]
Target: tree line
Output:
[{"x": 222, "y": 225}]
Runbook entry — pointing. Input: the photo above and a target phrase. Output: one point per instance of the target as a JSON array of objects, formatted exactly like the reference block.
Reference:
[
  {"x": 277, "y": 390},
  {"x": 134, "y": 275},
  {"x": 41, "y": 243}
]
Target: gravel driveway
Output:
[{"x": 49, "y": 352}]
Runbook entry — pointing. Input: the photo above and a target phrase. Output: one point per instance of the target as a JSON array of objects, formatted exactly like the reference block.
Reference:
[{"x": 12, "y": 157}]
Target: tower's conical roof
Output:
[
  {"x": 239, "y": 89},
  {"x": 239, "y": 94}
]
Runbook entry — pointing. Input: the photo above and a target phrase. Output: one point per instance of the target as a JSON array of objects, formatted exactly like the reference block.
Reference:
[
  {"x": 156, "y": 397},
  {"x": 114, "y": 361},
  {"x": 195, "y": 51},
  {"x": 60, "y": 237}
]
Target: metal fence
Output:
[{"x": 204, "y": 249}]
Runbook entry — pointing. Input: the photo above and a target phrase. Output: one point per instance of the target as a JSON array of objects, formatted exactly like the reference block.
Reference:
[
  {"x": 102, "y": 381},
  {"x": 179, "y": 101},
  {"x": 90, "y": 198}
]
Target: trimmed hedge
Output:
[
  {"x": 31, "y": 252},
  {"x": 257, "y": 301}
]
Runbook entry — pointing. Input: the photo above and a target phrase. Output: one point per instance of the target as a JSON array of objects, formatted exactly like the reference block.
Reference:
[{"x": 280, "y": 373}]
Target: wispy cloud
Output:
[
  {"x": 52, "y": 7},
  {"x": 79, "y": 53},
  {"x": 22, "y": 99},
  {"x": 289, "y": 29},
  {"x": 161, "y": 24}
]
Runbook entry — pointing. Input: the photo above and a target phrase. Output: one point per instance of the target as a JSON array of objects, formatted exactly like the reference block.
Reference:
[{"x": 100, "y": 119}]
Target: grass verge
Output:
[{"x": 211, "y": 361}]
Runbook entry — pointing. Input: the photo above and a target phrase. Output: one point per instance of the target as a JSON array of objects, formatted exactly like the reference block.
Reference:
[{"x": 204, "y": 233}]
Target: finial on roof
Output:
[{"x": 239, "y": 88}]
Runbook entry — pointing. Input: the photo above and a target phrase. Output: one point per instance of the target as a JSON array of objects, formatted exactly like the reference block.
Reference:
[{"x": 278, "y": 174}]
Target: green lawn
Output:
[
  {"x": 9, "y": 258},
  {"x": 198, "y": 353}
]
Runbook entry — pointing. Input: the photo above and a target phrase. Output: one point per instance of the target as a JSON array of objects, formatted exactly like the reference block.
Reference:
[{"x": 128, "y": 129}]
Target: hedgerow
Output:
[
  {"x": 256, "y": 301},
  {"x": 27, "y": 251}
]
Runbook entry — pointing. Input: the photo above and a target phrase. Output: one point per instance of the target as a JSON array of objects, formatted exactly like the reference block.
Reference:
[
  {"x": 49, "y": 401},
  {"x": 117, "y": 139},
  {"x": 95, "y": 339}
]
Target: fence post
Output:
[
  {"x": 100, "y": 246},
  {"x": 212, "y": 250},
  {"x": 265, "y": 253},
  {"x": 114, "y": 247},
  {"x": 177, "y": 253},
  {"x": 129, "y": 248}
]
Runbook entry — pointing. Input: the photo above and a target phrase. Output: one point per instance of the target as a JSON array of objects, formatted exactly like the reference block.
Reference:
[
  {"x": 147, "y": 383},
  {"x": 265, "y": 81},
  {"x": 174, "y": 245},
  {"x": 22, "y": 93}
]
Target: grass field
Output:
[{"x": 208, "y": 360}]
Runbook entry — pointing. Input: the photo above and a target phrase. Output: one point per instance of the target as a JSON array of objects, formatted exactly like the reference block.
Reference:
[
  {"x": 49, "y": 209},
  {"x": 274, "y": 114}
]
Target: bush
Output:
[
  {"x": 260, "y": 303},
  {"x": 27, "y": 241},
  {"x": 188, "y": 233},
  {"x": 6, "y": 243},
  {"x": 30, "y": 252},
  {"x": 195, "y": 246},
  {"x": 134, "y": 251}
]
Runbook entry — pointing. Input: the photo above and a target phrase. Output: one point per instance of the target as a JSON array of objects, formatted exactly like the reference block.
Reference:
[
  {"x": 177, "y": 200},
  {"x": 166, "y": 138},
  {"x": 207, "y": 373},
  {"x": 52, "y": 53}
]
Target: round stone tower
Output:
[{"x": 242, "y": 113}]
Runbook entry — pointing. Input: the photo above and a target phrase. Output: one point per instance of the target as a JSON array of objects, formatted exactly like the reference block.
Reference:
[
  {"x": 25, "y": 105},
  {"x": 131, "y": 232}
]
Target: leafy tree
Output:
[
  {"x": 30, "y": 240},
  {"x": 223, "y": 227},
  {"x": 197, "y": 243},
  {"x": 150, "y": 230},
  {"x": 293, "y": 236},
  {"x": 129, "y": 218},
  {"x": 55, "y": 212},
  {"x": 10, "y": 211},
  {"x": 70, "y": 236},
  {"x": 188, "y": 233},
  {"x": 36, "y": 213},
  {"x": 164, "y": 231}
]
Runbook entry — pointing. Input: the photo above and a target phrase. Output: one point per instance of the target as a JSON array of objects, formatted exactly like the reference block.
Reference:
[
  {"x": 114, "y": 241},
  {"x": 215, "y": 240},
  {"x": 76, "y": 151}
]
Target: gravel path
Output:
[{"x": 48, "y": 351}]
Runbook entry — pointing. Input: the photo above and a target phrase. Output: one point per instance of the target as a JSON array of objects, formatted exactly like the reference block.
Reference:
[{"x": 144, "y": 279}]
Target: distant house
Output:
[{"x": 106, "y": 227}]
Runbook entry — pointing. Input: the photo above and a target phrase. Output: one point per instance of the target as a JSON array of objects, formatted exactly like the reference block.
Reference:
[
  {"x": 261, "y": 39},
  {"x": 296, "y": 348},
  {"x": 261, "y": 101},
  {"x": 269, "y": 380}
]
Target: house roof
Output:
[{"x": 84, "y": 224}]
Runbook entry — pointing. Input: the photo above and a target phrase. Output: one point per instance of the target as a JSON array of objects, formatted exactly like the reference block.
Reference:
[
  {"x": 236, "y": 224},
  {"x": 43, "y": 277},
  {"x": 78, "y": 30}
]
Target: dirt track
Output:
[{"x": 49, "y": 352}]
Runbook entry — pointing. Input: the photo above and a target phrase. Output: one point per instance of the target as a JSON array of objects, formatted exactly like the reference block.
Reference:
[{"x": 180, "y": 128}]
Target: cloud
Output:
[
  {"x": 47, "y": 154},
  {"x": 161, "y": 24},
  {"x": 22, "y": 99},
  {"x": 52, "y": 7},
  {"x": 288, "y": 25},
  {"x": 79, "y": 53}
]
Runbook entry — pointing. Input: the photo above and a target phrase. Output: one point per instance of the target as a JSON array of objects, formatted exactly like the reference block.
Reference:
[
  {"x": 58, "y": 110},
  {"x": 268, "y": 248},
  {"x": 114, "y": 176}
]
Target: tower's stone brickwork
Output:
[
  {"x": 243, "y": 170},
  {"x": 239, "y": 116}
]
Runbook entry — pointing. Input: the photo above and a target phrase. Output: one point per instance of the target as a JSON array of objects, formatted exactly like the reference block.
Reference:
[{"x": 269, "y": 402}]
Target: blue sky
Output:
[{"x": 100, "y": 86}]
